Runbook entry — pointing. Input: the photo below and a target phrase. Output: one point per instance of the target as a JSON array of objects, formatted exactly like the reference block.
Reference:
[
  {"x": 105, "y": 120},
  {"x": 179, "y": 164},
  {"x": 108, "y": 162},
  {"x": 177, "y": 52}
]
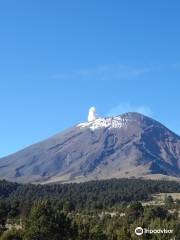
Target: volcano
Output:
[{"x": 130, "y": 145}]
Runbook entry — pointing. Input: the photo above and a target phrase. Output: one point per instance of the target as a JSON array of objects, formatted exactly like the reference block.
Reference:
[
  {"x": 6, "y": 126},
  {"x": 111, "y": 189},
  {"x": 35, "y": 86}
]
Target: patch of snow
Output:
[{"x": 111, "y": 122}]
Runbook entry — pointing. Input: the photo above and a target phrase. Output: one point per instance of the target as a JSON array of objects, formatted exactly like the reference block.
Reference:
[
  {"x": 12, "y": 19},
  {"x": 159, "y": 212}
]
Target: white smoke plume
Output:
[{"x": 92, "y": 116}]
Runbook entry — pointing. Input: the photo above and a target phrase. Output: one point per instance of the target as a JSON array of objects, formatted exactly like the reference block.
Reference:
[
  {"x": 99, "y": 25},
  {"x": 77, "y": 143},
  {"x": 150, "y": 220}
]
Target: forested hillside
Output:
[
  {"x": 95, "y": 194},
  {"x": 97, "y": 210}
]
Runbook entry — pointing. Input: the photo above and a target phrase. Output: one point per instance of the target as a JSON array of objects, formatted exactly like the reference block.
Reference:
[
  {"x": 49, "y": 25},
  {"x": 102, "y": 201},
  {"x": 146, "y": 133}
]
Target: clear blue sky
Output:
[{"x": 58, "y": 58}]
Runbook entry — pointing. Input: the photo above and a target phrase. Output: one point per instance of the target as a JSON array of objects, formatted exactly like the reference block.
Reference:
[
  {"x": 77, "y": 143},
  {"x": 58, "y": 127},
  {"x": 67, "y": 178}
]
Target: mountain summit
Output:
[{"x": 128, "y": 145}]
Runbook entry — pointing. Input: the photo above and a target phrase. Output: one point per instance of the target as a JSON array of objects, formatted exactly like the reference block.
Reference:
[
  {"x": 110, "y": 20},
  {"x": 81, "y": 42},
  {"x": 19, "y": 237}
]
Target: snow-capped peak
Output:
[{"x": 110, "y": 122}]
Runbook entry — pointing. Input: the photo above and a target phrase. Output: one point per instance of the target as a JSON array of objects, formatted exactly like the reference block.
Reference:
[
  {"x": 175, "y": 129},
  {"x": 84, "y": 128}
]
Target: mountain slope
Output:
[{"x": 129, "y": 145}]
